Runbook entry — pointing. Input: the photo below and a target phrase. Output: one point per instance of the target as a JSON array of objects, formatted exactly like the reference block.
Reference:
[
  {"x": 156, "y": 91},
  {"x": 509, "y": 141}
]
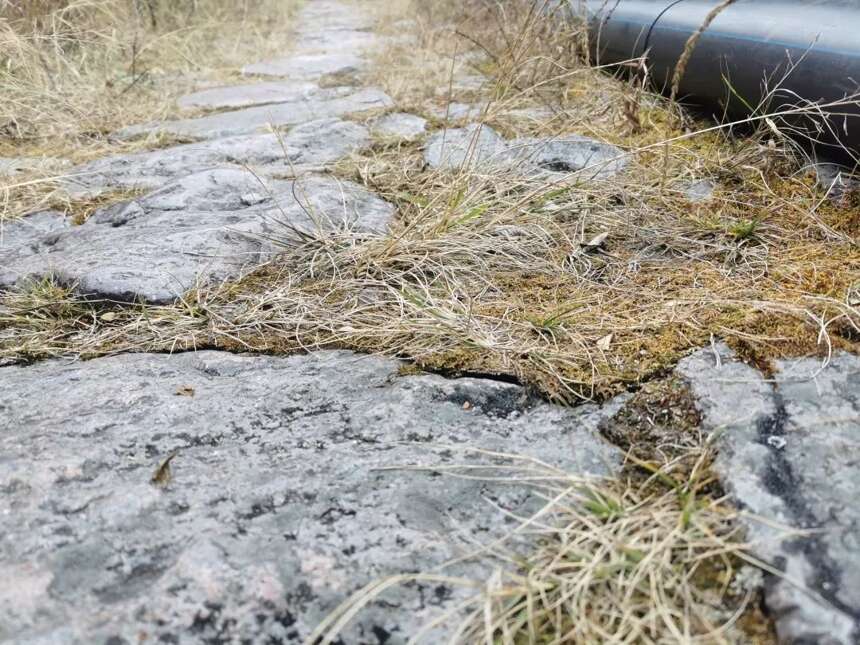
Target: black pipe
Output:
[{"x": 810, "y": 49}]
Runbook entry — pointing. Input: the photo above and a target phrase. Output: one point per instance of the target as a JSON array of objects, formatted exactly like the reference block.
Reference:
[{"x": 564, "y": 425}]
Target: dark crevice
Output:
[{"x": 781, "y": 481}]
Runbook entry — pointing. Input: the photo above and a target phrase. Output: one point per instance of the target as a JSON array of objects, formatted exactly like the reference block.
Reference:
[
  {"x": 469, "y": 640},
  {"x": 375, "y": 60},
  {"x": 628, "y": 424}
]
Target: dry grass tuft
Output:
[{"x": 644, "y": 559}]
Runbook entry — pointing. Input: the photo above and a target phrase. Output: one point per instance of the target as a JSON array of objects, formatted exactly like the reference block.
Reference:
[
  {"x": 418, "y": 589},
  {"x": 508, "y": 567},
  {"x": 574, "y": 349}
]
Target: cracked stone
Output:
[
  {"x": 788, "y": 456},
  {"x": 458, "y": 111},
  {"x": 10, "y": 166},
  {"x": 331, "y": 103},
  {"x": 278, "y": 507},
  {"x": 399, "y": 126},
  {"x": 238, "y": 96},
  {"x": 309, "y": 145},
  {"x": 205, "y": 227},
  {"x": 479, "y": 146},
  {"x": 700, "y": 190},
  {"x": 587, "y": 157},
  {"x": 837, "y": 180},
  {"x": 473, "y": 146},
  {"x": 26, "y": 231},
  {"x": 307, "y": 66}
]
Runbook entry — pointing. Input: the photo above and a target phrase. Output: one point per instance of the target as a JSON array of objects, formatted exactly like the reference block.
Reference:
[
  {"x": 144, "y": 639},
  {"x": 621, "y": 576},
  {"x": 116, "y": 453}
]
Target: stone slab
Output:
[
  {"x": 700, "y": 190},
  {"x": 589, "y": 159},
  {"x": 837, "y": 180},
  {"x": 205, "y": 227},
  {"x": 459, "y": 111},
  {"x": 399, "y": 125},
  {"x": 278, "y": 507},
  {"x": 254, "y": 119},
  {"x": 474, "y": 146},
  {"x": 307, "y": 66},
  {"x": 789, "y": 456},
  {"x": 11, "y": 166},
  {"x": 480, "y": 147},
  {"x": 309, "y": 145},
  {"x": 238, "y": 96},
  {"x": 338, "y": 41},
  {"x": 25, "y": 231}
]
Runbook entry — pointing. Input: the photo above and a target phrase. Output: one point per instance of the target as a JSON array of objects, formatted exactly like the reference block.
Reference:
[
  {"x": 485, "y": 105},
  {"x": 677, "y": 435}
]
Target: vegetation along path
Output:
[{"x": 421, "y": 328}]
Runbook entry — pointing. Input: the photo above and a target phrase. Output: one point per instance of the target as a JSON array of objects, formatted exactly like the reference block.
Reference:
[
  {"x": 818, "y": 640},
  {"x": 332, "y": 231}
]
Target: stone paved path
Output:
[{"x": 277, "y": 510}]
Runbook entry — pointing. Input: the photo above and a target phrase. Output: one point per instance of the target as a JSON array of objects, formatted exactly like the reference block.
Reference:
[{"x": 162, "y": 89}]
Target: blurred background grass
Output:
[{"x": 72, "y": 71}]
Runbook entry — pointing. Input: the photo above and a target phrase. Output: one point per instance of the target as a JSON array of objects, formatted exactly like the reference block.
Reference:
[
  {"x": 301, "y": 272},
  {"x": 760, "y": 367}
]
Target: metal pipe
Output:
[{"x": 808, "y": 49}]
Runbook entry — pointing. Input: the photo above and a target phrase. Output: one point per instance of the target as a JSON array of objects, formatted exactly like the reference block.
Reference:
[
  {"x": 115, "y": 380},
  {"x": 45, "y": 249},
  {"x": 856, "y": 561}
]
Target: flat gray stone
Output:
[
  {"x": 470, "y": 81},
  {"x": 324, "y": 16},
  {"x": 480, "y": 147},
  {"x": 307, "y": 66},
  {"x": 836, "y": 180},
  {"x": 399, "y": 125},
  {"x": 788, "y": 454},
  {"x": 254, "y": 119},
  {"x": 204, "y": 227},
  {"x": 309, "y": 145},
  {"x": 474, "y": 146},
  {"x": 328, "y": 15},
  {"x": 277, "y": 509},
  {"x": 238, "y": 96},
  {"x": 10, "y": 166},
  {"x": 532, "y": 114},
  {"x": 459, "y": 111},
  {"x": 700, "y": 190},
  {"x": 338, "y": 41},
  {"x": 19, "y": 233},
  {"x": 588, "y": 158}
]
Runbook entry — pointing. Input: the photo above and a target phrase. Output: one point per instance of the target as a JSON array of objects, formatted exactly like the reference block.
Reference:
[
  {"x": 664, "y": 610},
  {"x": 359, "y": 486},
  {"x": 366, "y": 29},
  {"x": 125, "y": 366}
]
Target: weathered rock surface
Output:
[
  {"x": 789, "y": 455},
  {"x": 837, "y": 180},
  {"x": 307, "y": 66},
  {"x": 277, "y": 509},
  {"x": 332, "y": 17},
  {"x": 474, "y": 146},
  {"x": 204, "y": 227},
  {"x": 327, "y": 104},
  {"x": 309, "y": 145},
  {"x": 399, "y": 125},
  {"x": 10, "y": 166},
  {"x": 22, "y": 232},
  {"x": 479, "y": 146},
  {"x": 333, "y": 41},
  {"x": 459, "y": 111},
  {"x": 237, "y": 96},
  {"x": 700, "y": 190},
  {"x": 588, "y": 158}
]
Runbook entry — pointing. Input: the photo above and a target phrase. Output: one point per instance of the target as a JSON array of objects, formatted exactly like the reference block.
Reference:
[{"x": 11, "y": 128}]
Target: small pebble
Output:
[{"x": 775, "y": 441}]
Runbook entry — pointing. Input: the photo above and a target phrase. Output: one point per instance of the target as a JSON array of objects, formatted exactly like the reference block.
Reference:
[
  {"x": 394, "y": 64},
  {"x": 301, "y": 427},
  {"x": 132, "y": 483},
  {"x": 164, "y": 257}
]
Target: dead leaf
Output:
[
  {"x": 605, "y": 342},
  {"x": 162, "y": 475},
  {"x": 109, "y": 316},
  {"x": 184, "y": 390}
]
